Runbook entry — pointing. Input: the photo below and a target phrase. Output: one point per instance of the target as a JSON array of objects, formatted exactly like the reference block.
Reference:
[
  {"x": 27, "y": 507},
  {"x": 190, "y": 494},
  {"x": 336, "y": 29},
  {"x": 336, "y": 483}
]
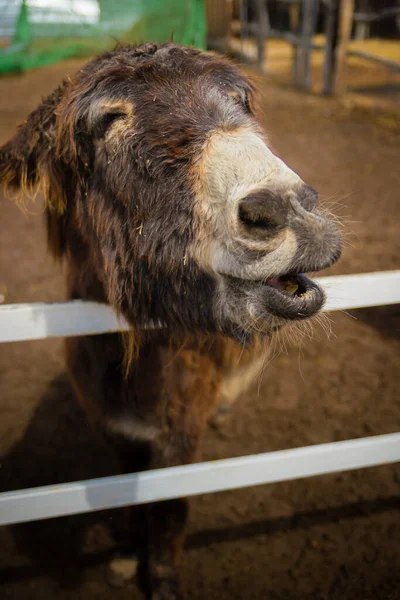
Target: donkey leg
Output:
[
  {"x": 189, "y": 387},
  {"x": 94, "y": 365},
  {"x": 132, "y": 538},
  {"x": 154, "y": 535},
  {"x": 166, "y": 523}
]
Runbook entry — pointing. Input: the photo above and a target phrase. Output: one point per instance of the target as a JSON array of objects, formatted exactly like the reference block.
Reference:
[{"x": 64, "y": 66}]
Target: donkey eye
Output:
[{"x": 104, "y": 123}]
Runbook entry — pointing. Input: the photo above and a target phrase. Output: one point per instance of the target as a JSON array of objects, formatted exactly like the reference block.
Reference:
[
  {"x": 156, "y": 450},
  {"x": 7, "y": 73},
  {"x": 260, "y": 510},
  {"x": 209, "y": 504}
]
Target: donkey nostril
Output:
[
  {"x": 252, "y": 220},
  {"x": 254, "y": 215}
]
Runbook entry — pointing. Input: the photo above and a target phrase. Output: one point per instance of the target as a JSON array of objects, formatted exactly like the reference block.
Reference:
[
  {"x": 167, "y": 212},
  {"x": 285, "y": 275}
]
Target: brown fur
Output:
[{"x": 119, "y": 151}]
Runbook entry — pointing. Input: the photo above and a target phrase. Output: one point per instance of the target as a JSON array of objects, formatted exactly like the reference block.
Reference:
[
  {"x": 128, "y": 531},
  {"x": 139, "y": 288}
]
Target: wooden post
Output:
[
  {"x": 219, "y": 21},
  {"x": 345, "y": 26},
  {"x": 331, "y": 37},
  {"x": 263, "y": 28}
]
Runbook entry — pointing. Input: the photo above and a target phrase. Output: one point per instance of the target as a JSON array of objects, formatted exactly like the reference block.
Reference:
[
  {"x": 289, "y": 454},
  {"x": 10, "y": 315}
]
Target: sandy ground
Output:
[{"x": 333, "y": 537}]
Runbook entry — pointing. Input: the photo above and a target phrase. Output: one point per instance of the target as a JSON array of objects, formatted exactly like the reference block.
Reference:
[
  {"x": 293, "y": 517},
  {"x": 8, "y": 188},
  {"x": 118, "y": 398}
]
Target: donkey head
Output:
[{"x": 160, "y": 184}]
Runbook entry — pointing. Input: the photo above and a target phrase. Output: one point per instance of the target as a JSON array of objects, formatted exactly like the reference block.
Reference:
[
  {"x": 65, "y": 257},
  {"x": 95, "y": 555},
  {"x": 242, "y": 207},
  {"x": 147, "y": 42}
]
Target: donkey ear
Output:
[
  {"x": 25, "y": 159},
  {"x": 246, "y": 95}
]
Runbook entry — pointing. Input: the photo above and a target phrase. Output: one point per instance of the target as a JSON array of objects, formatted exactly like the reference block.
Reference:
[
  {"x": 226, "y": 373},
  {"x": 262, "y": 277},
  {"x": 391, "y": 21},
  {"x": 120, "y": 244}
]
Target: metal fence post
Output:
[{"x": 302, "y": 76}]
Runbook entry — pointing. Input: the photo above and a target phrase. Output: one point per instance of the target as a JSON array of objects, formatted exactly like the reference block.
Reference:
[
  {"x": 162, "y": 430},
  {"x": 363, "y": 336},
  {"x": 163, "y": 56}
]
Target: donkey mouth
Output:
[
  {"x": 294, "y": 285},
  {"x": 293, "y": 296},
  {"x": 288, "y": 297}
]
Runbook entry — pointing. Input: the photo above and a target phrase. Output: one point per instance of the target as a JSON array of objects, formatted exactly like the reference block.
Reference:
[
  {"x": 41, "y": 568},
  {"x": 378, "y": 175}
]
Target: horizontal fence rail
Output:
[
  {"x": 190, "y": 480},
  {"x": 39, "y": 321},
  {"x": 36, "y": 321}
]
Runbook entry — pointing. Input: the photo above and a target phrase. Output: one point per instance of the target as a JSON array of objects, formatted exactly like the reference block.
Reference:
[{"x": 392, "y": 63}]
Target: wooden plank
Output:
[{"x": 345, "y": 27}]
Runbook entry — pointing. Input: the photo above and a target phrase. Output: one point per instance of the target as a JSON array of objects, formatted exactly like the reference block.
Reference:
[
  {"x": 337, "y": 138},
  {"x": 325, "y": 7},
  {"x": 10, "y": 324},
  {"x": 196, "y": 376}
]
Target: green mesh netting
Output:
[{"x": 46, "y": 32}]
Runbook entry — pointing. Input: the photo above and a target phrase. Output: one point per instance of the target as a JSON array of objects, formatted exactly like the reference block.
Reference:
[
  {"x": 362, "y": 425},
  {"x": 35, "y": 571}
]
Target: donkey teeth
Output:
[{"x": 291, "y": 287}]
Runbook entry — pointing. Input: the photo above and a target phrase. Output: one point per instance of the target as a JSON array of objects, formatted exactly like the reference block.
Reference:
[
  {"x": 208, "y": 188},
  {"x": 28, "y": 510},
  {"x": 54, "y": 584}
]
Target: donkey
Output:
[{"x": 165, "y": 201}]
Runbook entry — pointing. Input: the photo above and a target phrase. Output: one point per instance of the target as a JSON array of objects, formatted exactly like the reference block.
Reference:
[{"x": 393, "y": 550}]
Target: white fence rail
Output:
[
  {"x": 202, "y": 478},
  {"x": 38, "y": 321}
]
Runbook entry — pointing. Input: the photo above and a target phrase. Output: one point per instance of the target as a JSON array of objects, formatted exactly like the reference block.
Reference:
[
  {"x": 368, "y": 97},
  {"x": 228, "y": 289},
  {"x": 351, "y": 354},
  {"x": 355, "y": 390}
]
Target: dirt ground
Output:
[{"x": 333, "y": 537}]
